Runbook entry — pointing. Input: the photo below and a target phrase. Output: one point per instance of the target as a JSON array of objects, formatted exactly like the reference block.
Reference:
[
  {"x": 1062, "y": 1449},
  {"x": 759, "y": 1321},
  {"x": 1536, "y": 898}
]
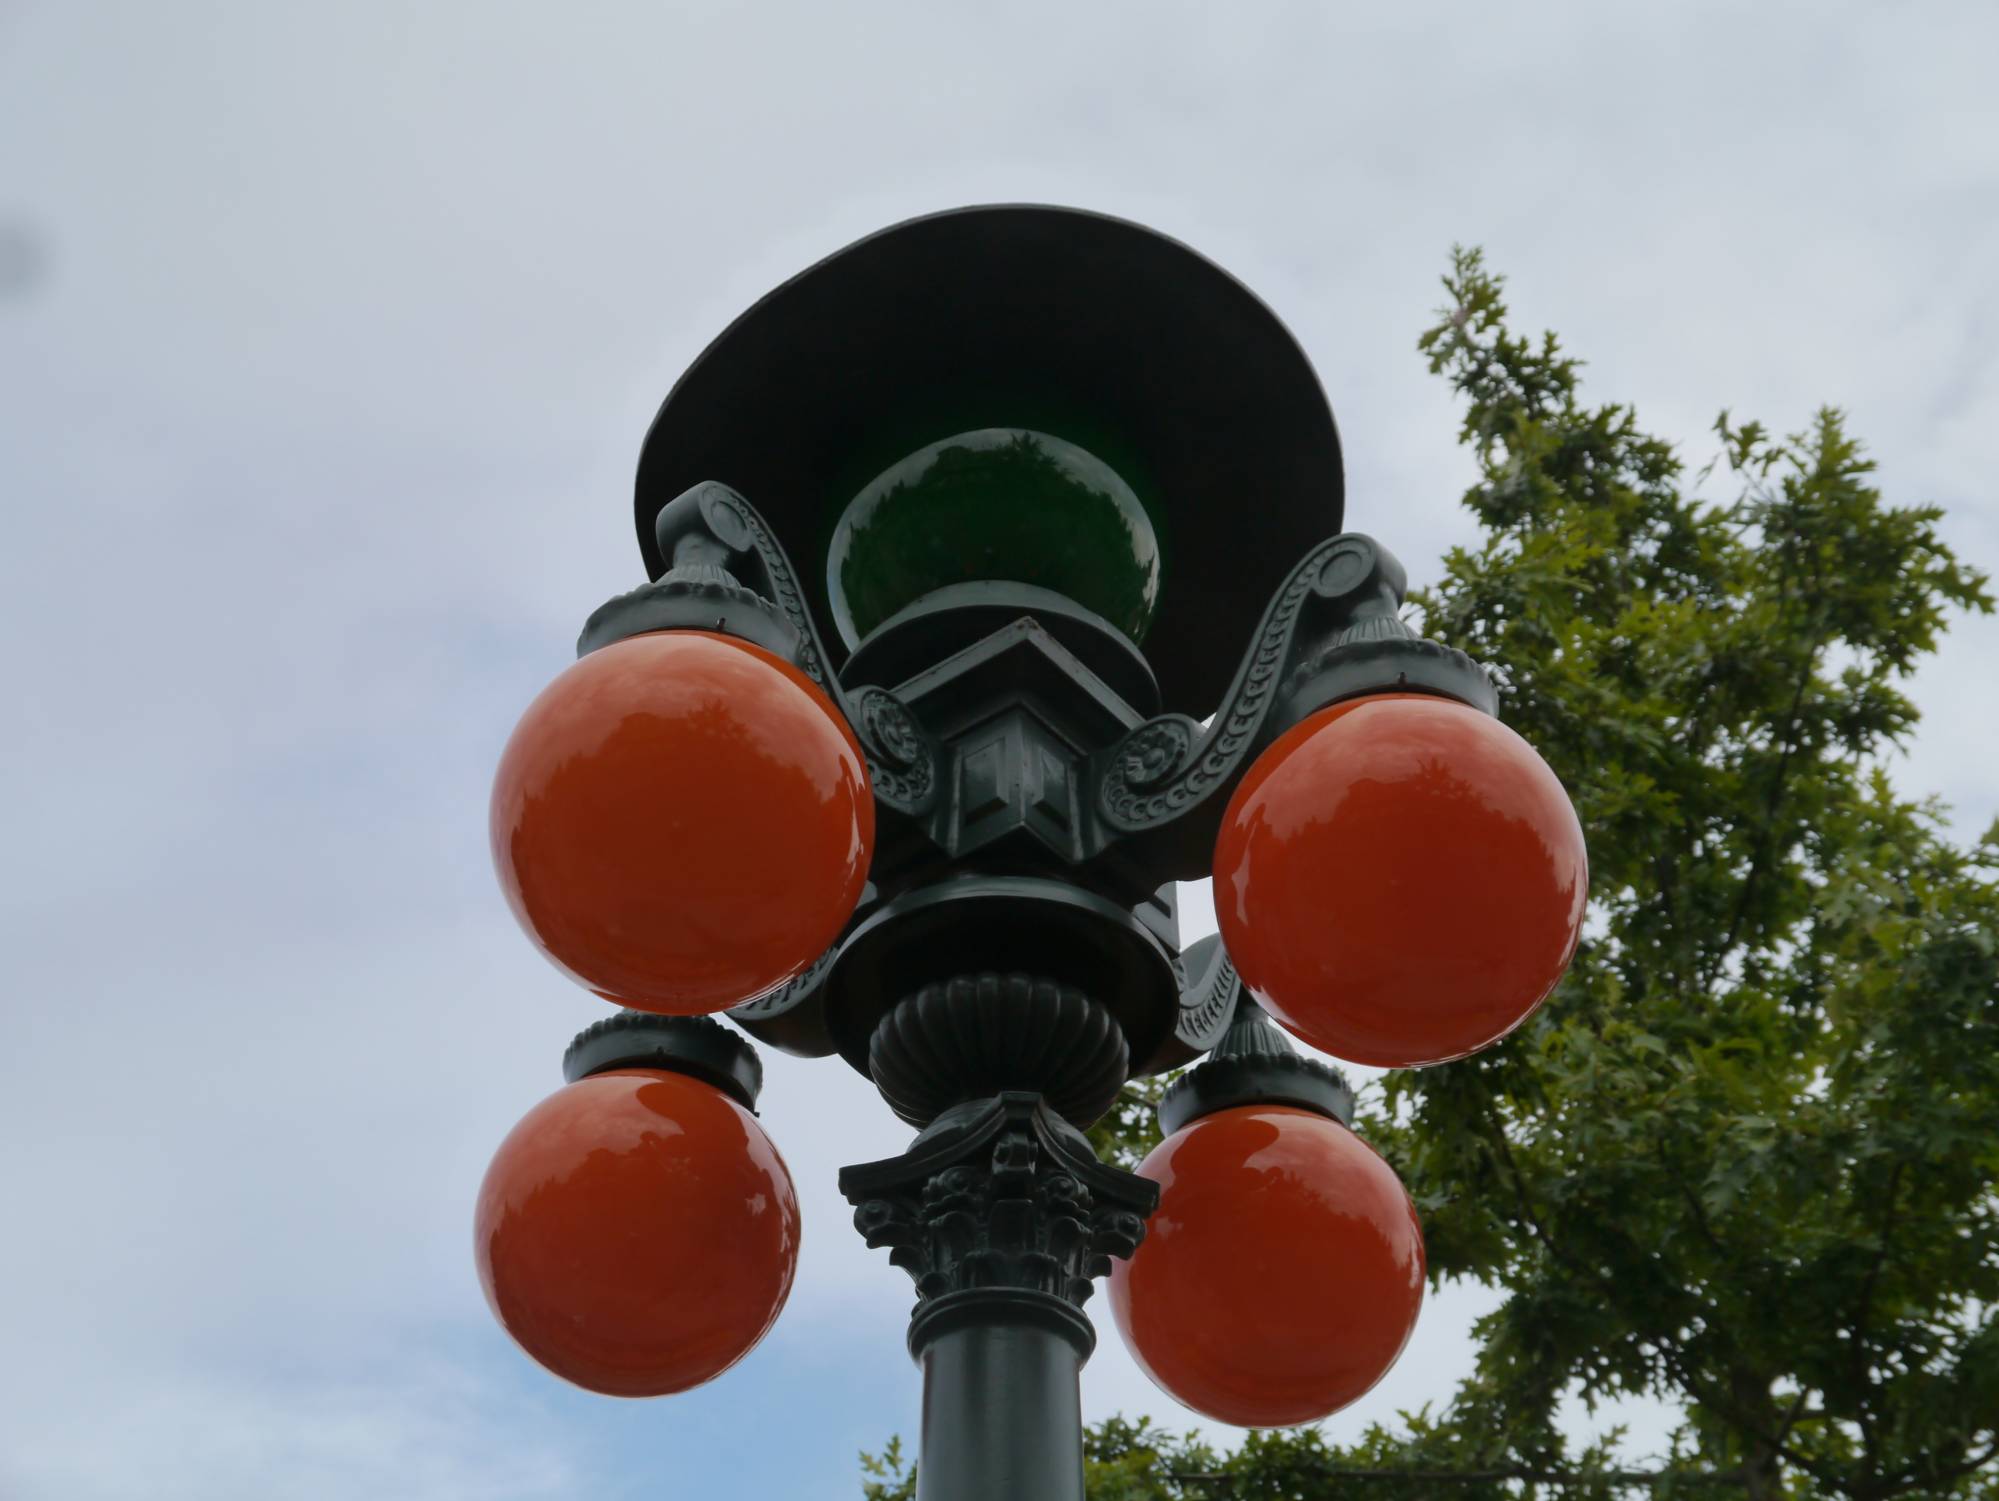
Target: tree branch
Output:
[
  {"x": 1701, "y": 1220},
  {"x": 1748, "y": 1422},
  {"x": 1912, "y": 1477},
  {"x": 1797, "y": 1411},
  {"x": 1504, "y": 1148},
  {"x": 1868, "y": 1438},
  {"x": 1770, "y": 806}
]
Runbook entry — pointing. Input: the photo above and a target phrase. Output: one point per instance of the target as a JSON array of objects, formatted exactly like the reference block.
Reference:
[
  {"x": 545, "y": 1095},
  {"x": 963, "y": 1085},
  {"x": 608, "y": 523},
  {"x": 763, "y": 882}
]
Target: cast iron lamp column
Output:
[{"x": 1081, "y": 634}]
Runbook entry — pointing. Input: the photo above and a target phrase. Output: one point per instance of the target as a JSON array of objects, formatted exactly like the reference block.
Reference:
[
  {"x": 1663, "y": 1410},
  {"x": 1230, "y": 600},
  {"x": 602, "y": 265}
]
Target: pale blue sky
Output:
[{"x": 328, "y": 334}]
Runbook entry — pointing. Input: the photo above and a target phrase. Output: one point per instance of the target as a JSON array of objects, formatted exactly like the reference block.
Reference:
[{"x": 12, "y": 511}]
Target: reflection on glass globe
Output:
[
  {"x": 637, "y": 1233},
  {"x": 1400, "y": 880},
  {"x": 1282, "y": 1273},
  {"x": 1000, "y": 503},
  {"x": 682, "y": 822}
]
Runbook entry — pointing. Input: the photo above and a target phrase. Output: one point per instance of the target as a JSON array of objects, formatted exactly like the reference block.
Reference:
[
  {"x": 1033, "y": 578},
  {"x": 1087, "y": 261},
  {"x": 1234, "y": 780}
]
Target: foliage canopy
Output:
[{"x": 1744, "y": 1158}]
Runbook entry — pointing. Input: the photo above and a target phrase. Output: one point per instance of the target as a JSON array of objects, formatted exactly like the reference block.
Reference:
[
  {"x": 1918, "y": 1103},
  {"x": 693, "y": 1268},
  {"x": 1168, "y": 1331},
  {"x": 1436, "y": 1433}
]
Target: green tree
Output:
[{"x": 1744, "y": 1158}]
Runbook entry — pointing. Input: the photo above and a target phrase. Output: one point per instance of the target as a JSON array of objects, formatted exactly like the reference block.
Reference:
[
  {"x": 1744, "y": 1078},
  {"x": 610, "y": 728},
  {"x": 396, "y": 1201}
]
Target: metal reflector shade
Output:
[{"x": 1093, "y": 329}]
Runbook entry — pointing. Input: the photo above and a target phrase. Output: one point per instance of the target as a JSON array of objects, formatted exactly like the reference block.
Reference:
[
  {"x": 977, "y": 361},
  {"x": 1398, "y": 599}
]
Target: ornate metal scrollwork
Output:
[
  {"x": 1200, "y": 764},
  {"x": 1000, "y": 1194},
  {"x": 736, "y": 523},
  {"x": 1155, "y": 751},
  {"x": 710, "y": 535},
  {"x": 1332, "y": 631},
  {"x": 792, "y": 1018},
  {"x": 704, "y": 538},
  {"x": 1209, "y": 996},
  {"x": 901, "y": 759},
  {"x": 787, "y": 995}
]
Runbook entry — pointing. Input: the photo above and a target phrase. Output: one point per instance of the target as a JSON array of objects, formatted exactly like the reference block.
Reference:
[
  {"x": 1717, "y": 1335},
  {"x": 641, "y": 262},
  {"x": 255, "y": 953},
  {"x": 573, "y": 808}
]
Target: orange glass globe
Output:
[
  {"x": 637, "y": 1233},
  {"x": 1400, "y": 880},
  {"x": 682, "y": 821},
  {"x": 1281, "y": 1274}
]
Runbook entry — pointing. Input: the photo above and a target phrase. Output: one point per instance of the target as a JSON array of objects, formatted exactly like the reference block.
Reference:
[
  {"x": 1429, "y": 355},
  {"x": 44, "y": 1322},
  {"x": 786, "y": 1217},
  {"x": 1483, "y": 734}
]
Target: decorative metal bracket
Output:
[
  {"x": 792, "y": 1017},
  {"x": 1010, "y": 750},
  {"x": 1332, "y": 631},
  {"x": 1154, "y": 795},
  {"x": 1003, "y": 1196},
  {"x": 714, "y": 540},
  {"x": 1209, "y": 991}
]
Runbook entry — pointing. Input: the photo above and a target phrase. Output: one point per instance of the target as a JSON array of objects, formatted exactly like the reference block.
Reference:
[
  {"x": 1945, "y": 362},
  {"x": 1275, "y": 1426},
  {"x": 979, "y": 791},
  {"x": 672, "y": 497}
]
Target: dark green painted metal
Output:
[
  {"x": 976, "y": 1035},
  {"x": 693, "y": 1045},
  {"x": 704, "y": 531},
  {"x": 792, "y": 1018},
  {"x": 1333, "y": 630},
  {"x": 1091, "y": 329},
  {"x": 1209, "y": 991},
  {"x": 970, "y": 923},
  {"x": 1010, "y": 775},
  {"x": 1002, "y": 1399},
  {"x": 1255, "y": 1064},
  {"x": 1003, "y": 1218},
  {"x": 958, "y": 616}
]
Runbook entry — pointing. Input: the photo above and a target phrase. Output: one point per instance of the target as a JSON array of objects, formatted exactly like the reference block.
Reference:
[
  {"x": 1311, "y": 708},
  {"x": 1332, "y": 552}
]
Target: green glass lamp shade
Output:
[{"x": 1000, "y": 503}]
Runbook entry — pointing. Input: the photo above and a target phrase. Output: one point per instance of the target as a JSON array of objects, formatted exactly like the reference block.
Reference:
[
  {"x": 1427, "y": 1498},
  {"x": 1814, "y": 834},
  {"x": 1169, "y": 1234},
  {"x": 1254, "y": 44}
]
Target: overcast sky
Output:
[{"x": 328, "y": 334}]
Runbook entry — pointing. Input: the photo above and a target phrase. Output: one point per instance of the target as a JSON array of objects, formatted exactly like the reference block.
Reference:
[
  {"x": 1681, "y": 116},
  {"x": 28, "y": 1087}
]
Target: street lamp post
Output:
[{"x": 1081, "y": 633}]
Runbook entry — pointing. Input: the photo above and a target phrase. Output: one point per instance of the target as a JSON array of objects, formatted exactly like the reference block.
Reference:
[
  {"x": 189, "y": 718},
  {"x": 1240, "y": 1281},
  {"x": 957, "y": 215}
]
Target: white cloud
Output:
[{"x": 415, "y": 1430}]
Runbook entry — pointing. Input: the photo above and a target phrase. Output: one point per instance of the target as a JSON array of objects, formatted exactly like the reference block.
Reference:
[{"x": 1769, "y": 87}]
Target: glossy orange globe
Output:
[
  {"x": 1281, "y": 1274},
  {"x": 1400, "y": 880},
  {"x": 637, "y": 1233},
  {"x": 682, "y": 821}
]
